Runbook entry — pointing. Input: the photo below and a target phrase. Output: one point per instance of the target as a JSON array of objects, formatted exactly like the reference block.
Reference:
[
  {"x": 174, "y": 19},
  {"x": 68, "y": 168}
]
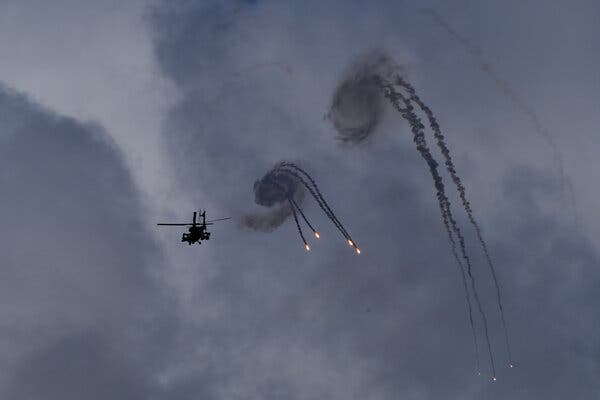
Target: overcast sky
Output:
[{"x": 117, "y": 115}]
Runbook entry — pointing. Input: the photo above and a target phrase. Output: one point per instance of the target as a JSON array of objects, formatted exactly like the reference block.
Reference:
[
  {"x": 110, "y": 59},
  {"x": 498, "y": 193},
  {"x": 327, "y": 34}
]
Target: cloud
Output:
[
  {"x": 100, "y": 69},
  {"x": 254, "y": 316},
  {"x": 78, "y": 288},
  {"x": 76, "y": 367}
]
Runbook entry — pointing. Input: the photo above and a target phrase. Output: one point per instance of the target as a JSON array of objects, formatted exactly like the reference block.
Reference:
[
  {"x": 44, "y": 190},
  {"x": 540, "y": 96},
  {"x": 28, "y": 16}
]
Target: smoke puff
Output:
[
  {"x": 275, "y": 187},
  {"x": 273, "y": 191},
  {"x": 267, "y": 222},
  {"x": 357, "y": 104}
]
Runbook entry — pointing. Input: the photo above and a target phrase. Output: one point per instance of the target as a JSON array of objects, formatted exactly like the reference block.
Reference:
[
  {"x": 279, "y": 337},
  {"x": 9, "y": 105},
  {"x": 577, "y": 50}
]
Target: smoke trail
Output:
[
  {"x": 282, "y": 189},
  {"x": 293, "y": 206},
  {"x": 506, "y": 88},
  {"x": 317, "y": 198},
  {"x": 360, "y": 85},
  {"x": 304, "y": 217},
  {"x": 462, "y": 193},
  {"x": 321, "y": 202},
  {"x": 291, "y": 168},
  {"x": 314, "y": 191},
  {"x": 317, "y": 195},
  {"x": 464, "y": 280},
  {"x": 306, "y": 246},
  {"x": 419, "y": 138}
]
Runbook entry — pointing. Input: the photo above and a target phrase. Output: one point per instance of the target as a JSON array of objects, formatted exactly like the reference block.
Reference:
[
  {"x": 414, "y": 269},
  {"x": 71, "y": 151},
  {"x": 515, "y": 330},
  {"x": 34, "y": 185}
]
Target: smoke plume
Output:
[{"x": 273, "y": 191}]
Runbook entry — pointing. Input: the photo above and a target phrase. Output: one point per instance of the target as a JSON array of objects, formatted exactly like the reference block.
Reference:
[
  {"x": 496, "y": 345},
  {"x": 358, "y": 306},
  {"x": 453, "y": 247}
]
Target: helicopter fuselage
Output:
[{"x": 196, "y": 234}]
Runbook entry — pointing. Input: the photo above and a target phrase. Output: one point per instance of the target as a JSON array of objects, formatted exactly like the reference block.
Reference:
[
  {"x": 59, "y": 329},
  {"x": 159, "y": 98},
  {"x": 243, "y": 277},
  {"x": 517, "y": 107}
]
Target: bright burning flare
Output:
[
  {"x": 307, "y": 247},
  {"x": 357, "y": 250},
  {"x": 493, "y": 379},
  {"x": 317, "y": 235},
  {"x": 350, "y": 242}
]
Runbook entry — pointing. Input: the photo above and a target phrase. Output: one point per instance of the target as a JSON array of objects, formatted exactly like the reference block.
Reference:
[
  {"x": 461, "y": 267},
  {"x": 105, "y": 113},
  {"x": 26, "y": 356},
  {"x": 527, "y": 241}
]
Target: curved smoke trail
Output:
[
  {"x": 435, "y": 127},
  {"x": 316, "y": 193},
  {"x": 355, "y": 113},
  {"x": 282, "y": 189},
  {"x": 419, "y": 138},
  {"x": 303, "y": 216},
  {"x": 298, "y": 224},
  {"x": 506, "y": 88}
]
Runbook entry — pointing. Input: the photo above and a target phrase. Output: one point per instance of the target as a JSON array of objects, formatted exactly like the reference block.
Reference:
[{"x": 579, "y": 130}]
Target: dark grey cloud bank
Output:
[
  {"x": 82, "y": 316},
  {"x": 390, "y": 323}
]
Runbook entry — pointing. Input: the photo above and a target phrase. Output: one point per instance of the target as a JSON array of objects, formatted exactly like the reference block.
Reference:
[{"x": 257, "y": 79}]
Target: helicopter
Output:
[{"x": 197, "y": 232}]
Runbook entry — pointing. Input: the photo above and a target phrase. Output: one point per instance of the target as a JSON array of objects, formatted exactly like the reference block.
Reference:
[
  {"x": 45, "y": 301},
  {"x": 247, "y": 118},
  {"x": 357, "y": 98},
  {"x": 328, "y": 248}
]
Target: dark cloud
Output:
[
  {"x": 77, "y": 287},
  {"x": 76, "y": 367}
]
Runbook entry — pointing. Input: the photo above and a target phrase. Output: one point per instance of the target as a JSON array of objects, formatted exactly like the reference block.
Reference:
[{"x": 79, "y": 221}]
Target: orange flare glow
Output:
[
  {"x": 357, "y": 250},
  {"x": 350, "y": 242},
  {"x": 317, "y": 235},
  {"x": 307, "y": 247}
]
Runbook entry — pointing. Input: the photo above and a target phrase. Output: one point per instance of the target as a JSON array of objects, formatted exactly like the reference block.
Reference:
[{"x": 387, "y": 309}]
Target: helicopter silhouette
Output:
[{"x": 197, "y": 232}]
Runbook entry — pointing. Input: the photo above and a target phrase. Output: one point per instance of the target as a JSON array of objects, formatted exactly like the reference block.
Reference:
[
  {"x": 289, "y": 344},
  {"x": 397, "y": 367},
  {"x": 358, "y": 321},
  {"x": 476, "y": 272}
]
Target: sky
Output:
[{"x": 117, "y": 115}]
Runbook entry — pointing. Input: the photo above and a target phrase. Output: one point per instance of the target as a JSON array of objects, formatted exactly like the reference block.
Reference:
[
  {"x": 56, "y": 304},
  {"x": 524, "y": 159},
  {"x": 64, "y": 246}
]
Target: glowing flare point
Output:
[
  {"x": 350, "y": 242},
  {"x": 317, "y": 235},
  {"x": 357, "y": 250},
  {"x": 307, "y": 247},
  {"x": 494, "y": 379},
  {"x": 511, "y": 365}
]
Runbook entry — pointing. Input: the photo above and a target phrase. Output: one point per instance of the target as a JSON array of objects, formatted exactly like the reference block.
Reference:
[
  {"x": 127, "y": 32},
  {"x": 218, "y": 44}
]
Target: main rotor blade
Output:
[
  {"x": 174, "y": 224},
  {"x": 220, "y": 219}
]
